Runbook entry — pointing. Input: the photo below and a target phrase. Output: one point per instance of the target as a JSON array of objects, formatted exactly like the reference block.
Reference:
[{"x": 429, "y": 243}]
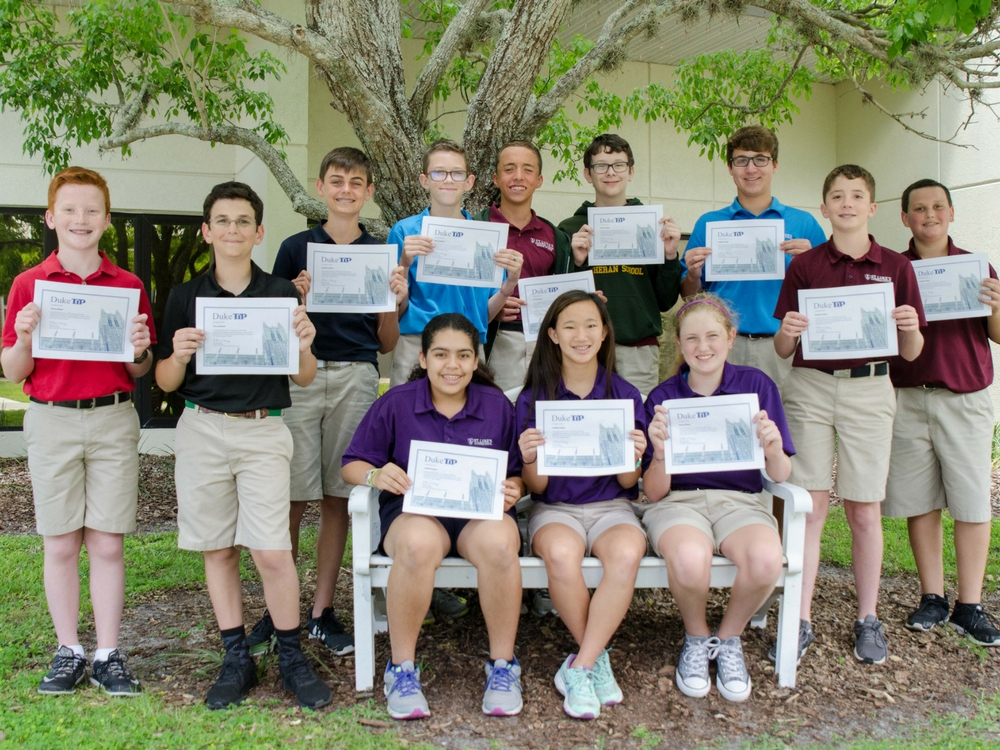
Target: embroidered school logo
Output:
[
  {"x": 874, "y": 277},
  {"x": 543, "y": 244},
  {"x": 483, "y": 442}
]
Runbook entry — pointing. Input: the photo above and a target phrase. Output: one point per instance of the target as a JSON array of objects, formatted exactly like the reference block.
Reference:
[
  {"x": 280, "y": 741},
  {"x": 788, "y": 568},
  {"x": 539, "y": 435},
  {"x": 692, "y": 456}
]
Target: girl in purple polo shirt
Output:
[
  {"x": 707, "y": 513},
  {"x": 574, "y": 516},
  {"x": 451, "y": 399}
]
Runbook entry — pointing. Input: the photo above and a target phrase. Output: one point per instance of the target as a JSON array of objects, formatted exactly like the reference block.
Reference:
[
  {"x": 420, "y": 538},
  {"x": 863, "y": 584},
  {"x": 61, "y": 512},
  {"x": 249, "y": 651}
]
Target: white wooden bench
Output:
[{"x": 371, "y": 572}]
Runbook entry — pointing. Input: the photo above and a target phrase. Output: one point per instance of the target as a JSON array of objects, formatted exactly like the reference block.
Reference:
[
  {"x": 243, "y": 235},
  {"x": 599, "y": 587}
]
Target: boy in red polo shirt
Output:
[
  {"x": 82, "y": 435},
  {"x": 850, "y": 400}
]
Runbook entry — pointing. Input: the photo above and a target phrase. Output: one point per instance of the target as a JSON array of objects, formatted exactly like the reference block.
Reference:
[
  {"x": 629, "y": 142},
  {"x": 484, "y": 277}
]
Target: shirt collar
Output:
[
  {"x": 736, "y": 208},
  {"x": 473, "y": 404},
  {"x": 533, "y": 225},
  {"x": 727, "y": 385},
  {"x": 874, "y": 254},
  {"x": 250, "y": 291},
  {"x": 53, "y": 267},
  {"x": 597, "y": 392},
  {"x": 319, "y": 234},
  {"x": 911, "y": 251}
]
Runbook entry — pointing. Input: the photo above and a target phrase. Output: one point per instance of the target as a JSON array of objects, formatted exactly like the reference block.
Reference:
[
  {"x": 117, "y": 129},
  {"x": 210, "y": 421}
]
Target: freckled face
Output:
[{"x": 704, "y": 341}]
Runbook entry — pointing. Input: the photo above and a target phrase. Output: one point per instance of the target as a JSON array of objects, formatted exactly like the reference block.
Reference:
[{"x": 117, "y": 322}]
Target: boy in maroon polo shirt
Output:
[
  {"x": 82, "y": 435},
  {"x": 943, "y": 433},
  {"x": 848, "y": 400}
]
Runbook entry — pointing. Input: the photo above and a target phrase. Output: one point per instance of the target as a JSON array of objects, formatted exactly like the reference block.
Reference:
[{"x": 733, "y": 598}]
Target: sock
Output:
[
  {"x": 235, "y": 642},
  {"x": 102, "y": 654},
  {"x": 288, "y": 644},
  {"x": 77, "y": 650}
]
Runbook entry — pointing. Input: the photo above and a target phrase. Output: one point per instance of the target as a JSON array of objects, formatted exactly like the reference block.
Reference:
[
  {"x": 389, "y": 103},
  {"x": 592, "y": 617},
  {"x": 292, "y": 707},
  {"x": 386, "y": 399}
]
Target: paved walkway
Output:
[{"x": 9, "y": 404}]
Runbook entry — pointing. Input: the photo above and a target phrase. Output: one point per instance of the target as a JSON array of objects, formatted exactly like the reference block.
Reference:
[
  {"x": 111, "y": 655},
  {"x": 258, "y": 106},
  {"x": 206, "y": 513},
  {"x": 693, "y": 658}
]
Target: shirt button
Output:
[{"x": 447, "y": 440}]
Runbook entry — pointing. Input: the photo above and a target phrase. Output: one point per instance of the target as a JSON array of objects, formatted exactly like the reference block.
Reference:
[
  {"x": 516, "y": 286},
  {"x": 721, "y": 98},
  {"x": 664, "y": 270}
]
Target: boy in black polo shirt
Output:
[{"x": 233, "y": 452}]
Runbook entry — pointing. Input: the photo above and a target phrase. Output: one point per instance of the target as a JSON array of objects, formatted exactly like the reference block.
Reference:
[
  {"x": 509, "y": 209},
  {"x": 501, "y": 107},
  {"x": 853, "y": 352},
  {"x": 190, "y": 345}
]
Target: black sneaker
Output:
[
  {"x": 298, "y": 677},
  {"x": 261, "y": 639},
  {"x": 235, "y": 680},
  {"x": 933, "y": 610},
  {"x": 68, "y": 671},
  {"x": 331, "y": 633},
  {"x": 974, "y": 621},
  {"x": 112, "y": 677}
]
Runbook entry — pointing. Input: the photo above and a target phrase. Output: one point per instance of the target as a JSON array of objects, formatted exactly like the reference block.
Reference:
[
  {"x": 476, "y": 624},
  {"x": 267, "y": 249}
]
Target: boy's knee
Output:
[
  {"x": 863, "y": 518},
  {"x": 417, "y": 551}
]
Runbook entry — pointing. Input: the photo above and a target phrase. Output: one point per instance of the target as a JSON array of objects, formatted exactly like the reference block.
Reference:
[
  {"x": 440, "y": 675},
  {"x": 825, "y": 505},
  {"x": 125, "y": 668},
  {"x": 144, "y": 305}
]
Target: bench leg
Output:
[
  {"x": 364, "y": 634},
  {"x": 759, "y": 620},
  {"x": 789, "y": 612}
]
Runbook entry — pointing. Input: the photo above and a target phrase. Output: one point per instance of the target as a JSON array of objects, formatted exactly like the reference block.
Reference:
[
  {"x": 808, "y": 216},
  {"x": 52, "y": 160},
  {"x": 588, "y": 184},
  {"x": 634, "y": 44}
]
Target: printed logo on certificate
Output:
[
  {"x": 849, "y": 322},
  {"x": 745, "y": 250},
  {"x": 84, "y": 322},
  {"x": 455, "y": 481},
  {"x": 541, "y": 291},
  {"x": 950, "y": 286},
  {"x": 247, "y": 336},
  {"x": 716, "y": 433},
  {"x": 585, "y": 438},
  {"x": 350, "y": 279},
  {"x": 625, "y": 235},
  {"x": 463, "y": 252}
]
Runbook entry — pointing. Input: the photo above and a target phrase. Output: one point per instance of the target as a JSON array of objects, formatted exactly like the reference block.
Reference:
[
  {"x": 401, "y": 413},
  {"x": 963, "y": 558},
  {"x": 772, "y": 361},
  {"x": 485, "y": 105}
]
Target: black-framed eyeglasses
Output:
[
  {"x": 440, "y": 175},
  {"x": 760, "y": 160},
  {"x": 618, "y": 166}
]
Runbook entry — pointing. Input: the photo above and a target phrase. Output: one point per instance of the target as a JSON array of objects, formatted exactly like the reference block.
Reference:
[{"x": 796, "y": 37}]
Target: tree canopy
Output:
[{"x": 116, "y": 72}]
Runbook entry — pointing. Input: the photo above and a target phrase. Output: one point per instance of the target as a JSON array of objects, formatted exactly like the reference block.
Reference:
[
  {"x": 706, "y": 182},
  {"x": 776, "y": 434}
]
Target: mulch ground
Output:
[{"x": 171, "y": 639}]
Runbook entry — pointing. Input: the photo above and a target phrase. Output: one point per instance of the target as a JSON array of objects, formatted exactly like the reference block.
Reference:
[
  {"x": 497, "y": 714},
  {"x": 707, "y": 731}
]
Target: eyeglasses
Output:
[
  {"x": 760, "y": 160},
  {"x": 440, "y": 175},
  {"x": 618, "y": 166},
  {"x": 221, "y": 222}
]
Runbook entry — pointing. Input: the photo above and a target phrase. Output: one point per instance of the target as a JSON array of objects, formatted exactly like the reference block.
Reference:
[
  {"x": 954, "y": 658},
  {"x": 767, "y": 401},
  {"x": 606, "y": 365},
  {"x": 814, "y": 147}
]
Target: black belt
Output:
[
  {"x": 512, "y": 325},
  {"x": 88, "y": 403},
  {"x": 755, "y": 336},
  {"x": 864, "y": 371}
]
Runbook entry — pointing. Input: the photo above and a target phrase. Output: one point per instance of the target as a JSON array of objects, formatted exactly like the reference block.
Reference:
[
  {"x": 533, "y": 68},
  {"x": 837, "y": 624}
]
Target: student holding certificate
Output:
[
  {"x": 696, "y": 515},
  {"x": 579, "y": 515},
  {"x": 943, "y": 433},
  {"x": 450, "y": 399}
]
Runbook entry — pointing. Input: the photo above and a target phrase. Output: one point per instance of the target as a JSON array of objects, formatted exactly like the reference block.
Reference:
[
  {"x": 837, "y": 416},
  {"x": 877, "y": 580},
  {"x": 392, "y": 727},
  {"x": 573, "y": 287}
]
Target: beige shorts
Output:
[
  {"x": 404, "y": 357},
  {"x": 859, "y": 413},
  {"x": 639, "y": 365},
  {"x": 232, "y": 482},
  {"x": 760, "y": 353},
  {"x": 509, "y": 359},
  {"x": 589, "y": 520},
  {"x": 716, "y": 513},
  {"x": 941, "y": 444},
  {"x": 322, "y": 419},
  {"x": 84, "y": 466}
]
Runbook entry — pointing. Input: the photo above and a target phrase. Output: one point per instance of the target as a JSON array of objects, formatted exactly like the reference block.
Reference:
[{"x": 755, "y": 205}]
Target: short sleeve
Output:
[
  {"x": 174, "y": 318},
  {"x": 375, "y": 439},
  {"x": 21, "y": 293}
]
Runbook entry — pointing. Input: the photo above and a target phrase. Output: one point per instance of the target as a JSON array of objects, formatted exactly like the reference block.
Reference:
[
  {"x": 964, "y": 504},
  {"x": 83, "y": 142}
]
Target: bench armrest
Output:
[
  {"x": 798, "y": 502},
  {"x": 363, "y": 507}
]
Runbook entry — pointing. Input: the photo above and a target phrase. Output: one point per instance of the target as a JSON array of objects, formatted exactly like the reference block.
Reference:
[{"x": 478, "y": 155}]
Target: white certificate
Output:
[
  {"x": 950, "y": 286},
  {"x": 627, "y": 235},
  {"x": 80, "y": 322},
  {"x": 585, "y": 438},
  {"x": 350, "y": 278},
  {"x": 541, "y": 291},
  {"x": 849, "y": 322},
  {"x": 247, "y": 336},
  {"x": 745, "y": 250},
  {"x": 455, "y": 481},
  {"x": 463, "y": 252},
  {"x": 713, "y": 434}
]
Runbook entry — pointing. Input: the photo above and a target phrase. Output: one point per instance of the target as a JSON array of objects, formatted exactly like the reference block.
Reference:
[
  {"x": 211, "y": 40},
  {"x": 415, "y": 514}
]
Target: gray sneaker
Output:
[
  {"x": 692, "y": 676},
  {"x": 731, "y": 675},
  {"x": 806, "y": 639},
  {"x": 404, "y": 693},
  {"x": 541, "y": 603},
  {"x": 502, "y": 696},
  {"x": 870, "y": 644}
]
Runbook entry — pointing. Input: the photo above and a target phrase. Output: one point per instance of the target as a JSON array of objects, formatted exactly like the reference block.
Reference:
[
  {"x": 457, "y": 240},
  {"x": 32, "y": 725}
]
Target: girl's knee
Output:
[
  {"x": 417, "y": 551},
  {"x": 763, "y": 566},
  {"x": 688, "y": 564}
]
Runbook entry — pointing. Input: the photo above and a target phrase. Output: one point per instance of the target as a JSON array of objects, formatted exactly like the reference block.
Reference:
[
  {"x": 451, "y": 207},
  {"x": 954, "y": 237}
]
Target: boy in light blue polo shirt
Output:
[{"x": 752, "y": 156}]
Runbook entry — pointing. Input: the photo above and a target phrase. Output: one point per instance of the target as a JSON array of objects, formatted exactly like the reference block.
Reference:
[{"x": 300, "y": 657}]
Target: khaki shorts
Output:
[
  {"x": 589, "y": 520},
  {"x": 639, "y": 365},
  {"x": 322, "y": 419},
  {"x": 84, "y": 466},
  {"x": 716, "y": 513},
  {"x": 941, "y": 444},
  {"x": 404, "y": 357},
  {"x": 232, "y": 482},
  {"x": 760, "y": 353},
  {"x": 859, "y": 412},
  {"x": 509, "y": 359}
]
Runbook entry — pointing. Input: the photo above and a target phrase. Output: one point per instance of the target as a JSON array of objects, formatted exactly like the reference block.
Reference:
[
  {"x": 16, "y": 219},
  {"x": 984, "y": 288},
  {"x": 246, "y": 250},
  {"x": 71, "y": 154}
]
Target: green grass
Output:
[{"x": 13, "y": 391}]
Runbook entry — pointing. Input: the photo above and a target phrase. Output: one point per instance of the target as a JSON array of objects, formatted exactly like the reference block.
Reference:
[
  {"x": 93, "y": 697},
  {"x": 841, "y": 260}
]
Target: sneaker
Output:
[
  {"x": 870, "y": 644},
  {"x": 403, "y": 692},
  {"x": 327, "y": 628},
  {"x": 605, "y": 687},
  {"x": 933, "y": 609},
  {"x": 447, "y": 603},
  {"x": 576, "y": 684},
  {"x": 541, "y": 603},
  {"x": 974, "y": 621},
  {"x": 692, "y": 676},
  {"x": 262, "y": 639},
  {"x": 235, "y": 680},
  {"x": 731, "y": 675},
  {"x": 502, "y": 696},
  {"x": 297, "y": 676},
  {"x": 112, "y": 677},
  {"x": 806, "y": 639},
  {"x": 68, "y": 671}
]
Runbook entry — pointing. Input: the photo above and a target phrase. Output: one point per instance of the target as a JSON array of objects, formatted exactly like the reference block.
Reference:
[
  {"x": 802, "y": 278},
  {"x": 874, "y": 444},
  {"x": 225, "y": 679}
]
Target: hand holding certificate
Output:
[
  {"x": 455, "y": 481},
  {"x": 540, "y": 292},
  {"x": 351, "y": 279},
  {"x": 747, "y": 250},
  {"x": 247, "y": 336},
  {"x": 849, "y": 322},
  {"x": 463, "y": 252},
  {"x": 627, "y": 235},
  {"x": 715, "y": 433},
  {"x": 951, "y": 287},
  {"x": 586, "y": 438},
  {"x": 80, "y": 322}
]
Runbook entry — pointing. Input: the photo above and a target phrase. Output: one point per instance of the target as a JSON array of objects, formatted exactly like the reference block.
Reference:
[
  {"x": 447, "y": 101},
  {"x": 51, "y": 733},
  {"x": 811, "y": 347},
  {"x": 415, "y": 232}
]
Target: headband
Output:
[{"x": 714, "y": 304}]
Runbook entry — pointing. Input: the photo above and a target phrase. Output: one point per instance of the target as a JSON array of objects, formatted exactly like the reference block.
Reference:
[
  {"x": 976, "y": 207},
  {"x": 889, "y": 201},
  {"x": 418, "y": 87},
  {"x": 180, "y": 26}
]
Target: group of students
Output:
[{"x": 252, "y": 450}]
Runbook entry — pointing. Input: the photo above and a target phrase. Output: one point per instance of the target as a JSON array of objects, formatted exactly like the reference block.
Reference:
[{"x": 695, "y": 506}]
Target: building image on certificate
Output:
[
  {"x": 481, "y": 270},
  {"x": 611, "y": 440},
  {"x": 376, "y": 291},
  {"x": 765, "y": 261},
  {"x": 275, "y": 354},
  {"x": 645, "y": 245},
  {"x": 478, "y": 498},
  {"x": 739, "y": 439},
  {"x": 969, "y": 291},
  {"x": 110, "y": 337},
  {"x": 874, "y": 335}
]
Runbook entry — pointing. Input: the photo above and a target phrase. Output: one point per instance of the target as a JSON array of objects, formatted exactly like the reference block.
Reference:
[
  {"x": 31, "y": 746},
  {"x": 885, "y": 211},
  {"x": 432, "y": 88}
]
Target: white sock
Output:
[
  {"x": 102, "y": 654},
  {"x": 77, "y": 650}
]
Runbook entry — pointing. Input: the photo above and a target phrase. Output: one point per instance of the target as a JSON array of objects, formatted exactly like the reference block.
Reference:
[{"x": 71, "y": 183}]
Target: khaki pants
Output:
[
  {"x": 509, "y": 359},
  {"x": 639, "y": 365}
]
